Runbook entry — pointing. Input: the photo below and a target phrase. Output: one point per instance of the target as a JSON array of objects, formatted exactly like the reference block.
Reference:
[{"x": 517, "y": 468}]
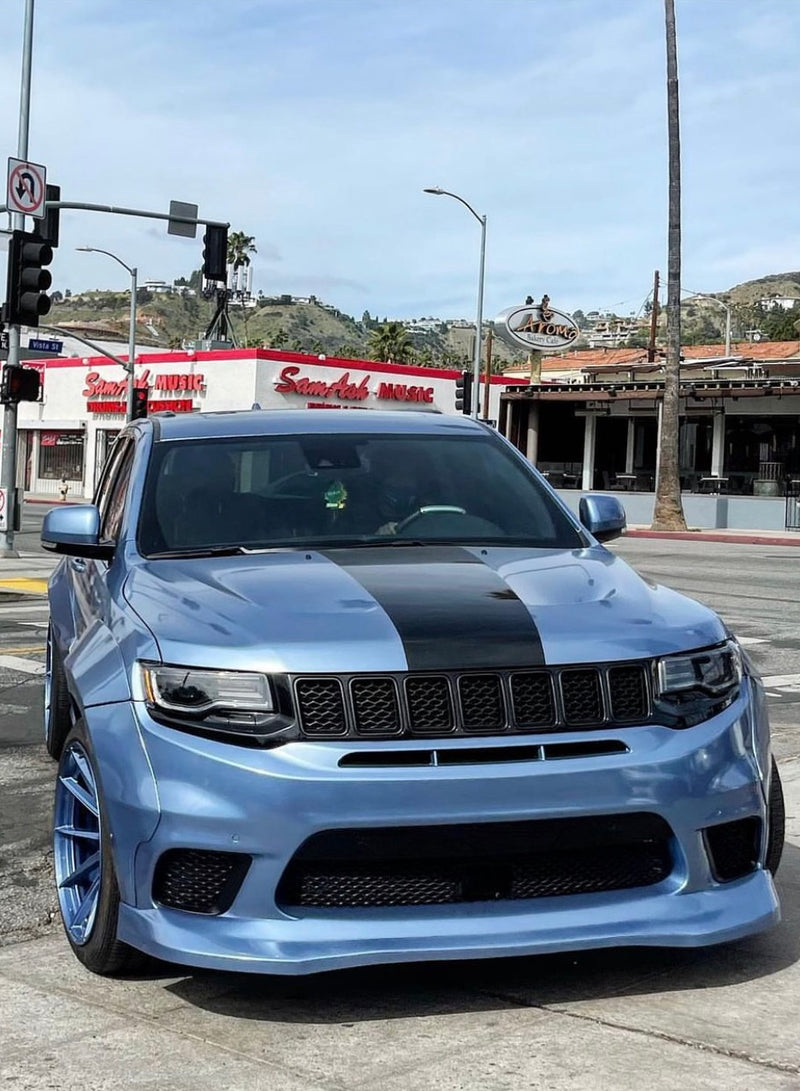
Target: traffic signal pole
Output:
[
  {"x": 8, "y": 463},
  {"x": 131, "y": 347}
]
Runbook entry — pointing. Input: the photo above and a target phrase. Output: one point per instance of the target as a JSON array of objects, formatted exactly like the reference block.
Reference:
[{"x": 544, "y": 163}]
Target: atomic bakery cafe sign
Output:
[{"x": 537, "y": 327}]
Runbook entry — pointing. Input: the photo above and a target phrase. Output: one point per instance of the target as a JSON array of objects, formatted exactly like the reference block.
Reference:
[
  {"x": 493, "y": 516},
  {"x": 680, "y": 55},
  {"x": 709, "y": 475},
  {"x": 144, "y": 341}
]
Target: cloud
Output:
[{"x": 315, "y": 124}]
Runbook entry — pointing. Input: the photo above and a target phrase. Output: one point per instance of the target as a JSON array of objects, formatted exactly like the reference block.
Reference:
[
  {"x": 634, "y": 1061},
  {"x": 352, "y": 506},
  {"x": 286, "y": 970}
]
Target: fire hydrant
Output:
[{"x": 64, "y": 489}]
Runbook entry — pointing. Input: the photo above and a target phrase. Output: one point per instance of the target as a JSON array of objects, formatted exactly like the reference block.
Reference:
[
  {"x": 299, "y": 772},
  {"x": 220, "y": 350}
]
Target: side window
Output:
[
  {"x": 109, "y": 473},
  {"x": 111, "y": 519}
]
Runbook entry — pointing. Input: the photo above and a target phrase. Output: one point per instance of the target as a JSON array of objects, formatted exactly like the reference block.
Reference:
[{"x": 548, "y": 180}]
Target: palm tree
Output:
[
  {"x": 390, "y": 342},
  {"x": 239, "y": 247},
  {"x": 668, "y": 509}
]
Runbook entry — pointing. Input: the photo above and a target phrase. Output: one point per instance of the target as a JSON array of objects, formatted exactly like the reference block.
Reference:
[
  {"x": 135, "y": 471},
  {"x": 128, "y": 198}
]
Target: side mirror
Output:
[
  {"x": 75, "y": 531},
  {"x": 603, "y": 516}
]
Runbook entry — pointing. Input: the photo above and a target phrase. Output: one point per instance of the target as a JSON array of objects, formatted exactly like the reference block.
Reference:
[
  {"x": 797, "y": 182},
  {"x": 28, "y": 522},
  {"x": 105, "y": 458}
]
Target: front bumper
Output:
[{"x": 179, "y": 791}]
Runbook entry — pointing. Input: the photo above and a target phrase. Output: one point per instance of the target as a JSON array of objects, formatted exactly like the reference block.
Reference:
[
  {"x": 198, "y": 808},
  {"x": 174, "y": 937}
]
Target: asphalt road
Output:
[{"x": 724, "y": 1016}]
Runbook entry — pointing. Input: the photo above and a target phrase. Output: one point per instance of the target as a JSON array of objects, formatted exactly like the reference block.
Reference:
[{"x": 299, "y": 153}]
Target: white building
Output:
[{"x": 64, "y": 439}]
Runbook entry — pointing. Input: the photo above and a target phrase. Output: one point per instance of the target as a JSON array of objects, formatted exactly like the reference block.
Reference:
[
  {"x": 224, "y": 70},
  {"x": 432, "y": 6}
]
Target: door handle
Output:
[{"x": 78, "y": 564}]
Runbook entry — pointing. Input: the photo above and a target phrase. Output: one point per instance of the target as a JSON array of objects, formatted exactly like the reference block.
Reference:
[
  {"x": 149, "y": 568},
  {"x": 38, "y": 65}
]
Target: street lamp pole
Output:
[
  {"x": 476, "y": 364},
  {"x": 132, "y": 324},
  {"x": 714, "y": 299}
]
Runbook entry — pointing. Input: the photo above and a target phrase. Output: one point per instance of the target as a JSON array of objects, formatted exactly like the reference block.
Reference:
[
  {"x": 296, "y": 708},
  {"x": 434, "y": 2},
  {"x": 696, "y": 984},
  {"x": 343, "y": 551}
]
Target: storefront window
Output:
[{"x": 61, "y": 455}]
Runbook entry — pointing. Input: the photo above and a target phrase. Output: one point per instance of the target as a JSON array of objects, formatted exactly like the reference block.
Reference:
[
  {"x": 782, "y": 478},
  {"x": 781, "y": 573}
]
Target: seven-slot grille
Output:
[{"x": 472, "y": 703}]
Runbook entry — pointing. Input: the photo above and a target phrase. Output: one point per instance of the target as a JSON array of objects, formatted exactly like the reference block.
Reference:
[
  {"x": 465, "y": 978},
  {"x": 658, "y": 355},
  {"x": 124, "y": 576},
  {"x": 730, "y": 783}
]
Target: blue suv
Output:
[{"x": 330, "y": 689}]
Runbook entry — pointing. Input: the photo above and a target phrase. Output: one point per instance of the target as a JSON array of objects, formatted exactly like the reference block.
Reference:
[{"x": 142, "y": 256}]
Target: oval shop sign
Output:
[{"x": 537, "y": 326}]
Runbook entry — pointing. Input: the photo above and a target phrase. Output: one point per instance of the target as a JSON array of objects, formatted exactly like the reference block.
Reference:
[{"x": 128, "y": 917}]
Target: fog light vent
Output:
[
  {"x": 733, "y": 848},
  {"x": 199, "y": 881}
]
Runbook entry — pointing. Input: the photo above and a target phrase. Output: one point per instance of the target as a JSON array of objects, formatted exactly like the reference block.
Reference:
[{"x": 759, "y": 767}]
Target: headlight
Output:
[
  {"x": 714, "y": 671},
  {"x": 240, "y": 703},
  {"x": 693, "y": 687},
  {"x": 186, "y": 689}
]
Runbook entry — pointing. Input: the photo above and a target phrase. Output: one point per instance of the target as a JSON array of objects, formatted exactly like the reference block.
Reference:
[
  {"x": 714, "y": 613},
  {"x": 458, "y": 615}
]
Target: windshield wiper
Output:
[{"x": 201, "y": 551}]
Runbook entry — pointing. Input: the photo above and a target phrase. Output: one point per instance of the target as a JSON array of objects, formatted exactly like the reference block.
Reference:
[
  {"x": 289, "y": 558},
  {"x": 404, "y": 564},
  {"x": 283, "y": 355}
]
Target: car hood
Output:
[{"x": 418, "y": 607}]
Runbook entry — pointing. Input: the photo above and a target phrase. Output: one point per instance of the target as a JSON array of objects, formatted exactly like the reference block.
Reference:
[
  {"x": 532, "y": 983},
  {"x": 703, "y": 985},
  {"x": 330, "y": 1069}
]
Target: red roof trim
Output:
[{"x": 179, "y": 359}]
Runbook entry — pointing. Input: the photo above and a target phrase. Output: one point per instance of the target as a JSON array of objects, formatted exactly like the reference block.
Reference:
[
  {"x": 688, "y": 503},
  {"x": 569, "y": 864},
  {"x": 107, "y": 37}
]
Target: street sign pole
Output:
[{"x": 8, "y": 466}]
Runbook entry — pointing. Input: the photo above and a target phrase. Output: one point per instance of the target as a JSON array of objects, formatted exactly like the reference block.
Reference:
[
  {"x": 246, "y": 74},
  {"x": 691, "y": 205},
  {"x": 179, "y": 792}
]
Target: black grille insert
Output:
[
  {"x": 583, "y": 700},
  {"x": 482, "y": 702},
  {"x": 376, "y": 707},
  {"x": 628, "y": 690},
  {"x": 434, "y": 865},
  {"x": 430, "y": 707},
  {"x": 321, "y": 704},
  {"x": 532, "y": 695},
  {"x": 472, "y": 702},
  {"x": 199, "y": 881}
]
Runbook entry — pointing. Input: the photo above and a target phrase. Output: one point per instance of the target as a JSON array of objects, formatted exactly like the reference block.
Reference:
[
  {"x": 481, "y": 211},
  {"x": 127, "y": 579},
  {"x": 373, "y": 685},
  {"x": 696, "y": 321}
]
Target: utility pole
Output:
[
  {"x": 651, "y": 348},
  {"x": 668, "y": 508},
  {"x": 488, "y": 380},
  {"x": 8, "y": 467}
]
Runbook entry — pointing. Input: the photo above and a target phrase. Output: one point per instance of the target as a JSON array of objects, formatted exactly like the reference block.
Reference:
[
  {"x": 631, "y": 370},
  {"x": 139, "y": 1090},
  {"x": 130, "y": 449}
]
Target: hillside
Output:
[
  {"x": 782, "y": 285},
  {"x": 168, "y": 319}
]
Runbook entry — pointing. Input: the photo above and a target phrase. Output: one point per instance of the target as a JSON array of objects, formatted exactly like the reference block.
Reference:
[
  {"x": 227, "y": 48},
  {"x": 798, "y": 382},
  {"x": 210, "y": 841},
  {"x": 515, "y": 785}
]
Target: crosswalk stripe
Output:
[
  {"x": 781, "y": 681},
  {"x": 17, "y": 663}
]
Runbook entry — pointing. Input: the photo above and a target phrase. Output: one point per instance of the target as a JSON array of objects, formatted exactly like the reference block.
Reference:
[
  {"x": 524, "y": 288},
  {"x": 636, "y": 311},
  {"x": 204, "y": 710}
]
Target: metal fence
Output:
[{"x": 792, "y": 521}]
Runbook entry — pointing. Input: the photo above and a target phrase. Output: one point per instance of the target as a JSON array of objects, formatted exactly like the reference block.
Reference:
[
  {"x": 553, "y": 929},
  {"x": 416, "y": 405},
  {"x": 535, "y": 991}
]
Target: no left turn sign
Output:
[{"x": 26, "y": 188}]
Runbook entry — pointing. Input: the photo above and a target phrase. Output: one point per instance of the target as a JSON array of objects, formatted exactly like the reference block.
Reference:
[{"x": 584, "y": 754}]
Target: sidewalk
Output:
[{"x": 742, "y": 537}]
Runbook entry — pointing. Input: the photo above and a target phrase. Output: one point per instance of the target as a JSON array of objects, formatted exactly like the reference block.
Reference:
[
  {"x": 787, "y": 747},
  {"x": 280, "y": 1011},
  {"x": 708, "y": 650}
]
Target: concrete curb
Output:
[{"x": 754, "y": 538}]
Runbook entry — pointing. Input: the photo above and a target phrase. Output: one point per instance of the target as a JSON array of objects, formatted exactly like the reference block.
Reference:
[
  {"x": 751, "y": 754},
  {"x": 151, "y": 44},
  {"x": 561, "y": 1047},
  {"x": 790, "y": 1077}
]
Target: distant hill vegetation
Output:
[{"x": 169, "y": 319}]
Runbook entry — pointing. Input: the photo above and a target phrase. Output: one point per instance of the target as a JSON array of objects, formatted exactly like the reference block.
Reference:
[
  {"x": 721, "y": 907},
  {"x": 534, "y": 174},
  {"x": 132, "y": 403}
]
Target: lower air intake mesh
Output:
[{"x": 437, "y": 865}]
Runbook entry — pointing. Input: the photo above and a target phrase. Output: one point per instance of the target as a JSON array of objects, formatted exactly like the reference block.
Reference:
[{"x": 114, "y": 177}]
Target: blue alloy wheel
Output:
[
  {"x": 77, "y": 844},
  {"x": 86, "y": 882}
]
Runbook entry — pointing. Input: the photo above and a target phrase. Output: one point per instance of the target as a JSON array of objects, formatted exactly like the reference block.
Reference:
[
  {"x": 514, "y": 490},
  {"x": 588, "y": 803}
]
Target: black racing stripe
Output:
[{"x": 451, "y": 611}]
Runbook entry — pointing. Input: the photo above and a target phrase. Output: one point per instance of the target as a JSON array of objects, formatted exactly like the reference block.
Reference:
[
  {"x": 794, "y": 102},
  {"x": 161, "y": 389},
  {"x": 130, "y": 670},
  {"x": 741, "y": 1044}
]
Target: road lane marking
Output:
[
  {"x": 17, "y": 663},
  {"x": 28, "y": 649},
  {"x": 746, "y": 641},
  {"x": 28, "y": 586},
  {"x": 781, "y": 681}
]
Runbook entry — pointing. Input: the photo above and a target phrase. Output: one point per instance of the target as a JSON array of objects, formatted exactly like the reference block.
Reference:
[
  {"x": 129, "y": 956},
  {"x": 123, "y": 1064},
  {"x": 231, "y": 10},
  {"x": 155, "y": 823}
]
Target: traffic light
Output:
[
  {"x": 28, "y": 280},
  {"x": 46, "y": 229},
  {"x": 215, "y": 254},
  {"x": 20, "y": 384},
  {"x": 464, "y": 392},
  {"x": 141, "y": 395}
]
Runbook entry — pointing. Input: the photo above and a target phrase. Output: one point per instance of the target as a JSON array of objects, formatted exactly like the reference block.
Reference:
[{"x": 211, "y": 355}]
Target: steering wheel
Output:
[
  {"x": 431, "y": 509},
  {"x": 280, "y": 487}
]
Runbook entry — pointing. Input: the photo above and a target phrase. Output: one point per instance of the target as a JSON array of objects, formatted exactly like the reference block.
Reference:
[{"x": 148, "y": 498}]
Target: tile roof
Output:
[{"x": 586, "y": 359}]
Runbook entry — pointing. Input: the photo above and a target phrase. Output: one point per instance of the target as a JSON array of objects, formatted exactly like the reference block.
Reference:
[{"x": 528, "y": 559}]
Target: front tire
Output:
[
  {"x": 88, "y": 895},
  {"x": 776, "y": 819},
  {"x": 57, "y": 703}
]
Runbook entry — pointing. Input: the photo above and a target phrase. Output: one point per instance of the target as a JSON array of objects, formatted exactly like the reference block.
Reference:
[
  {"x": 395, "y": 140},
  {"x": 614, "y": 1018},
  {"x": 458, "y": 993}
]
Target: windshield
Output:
[{"x": 262, "y": 492}]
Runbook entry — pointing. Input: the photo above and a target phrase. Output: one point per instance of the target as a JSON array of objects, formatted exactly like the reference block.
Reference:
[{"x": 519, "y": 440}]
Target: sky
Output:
[{"x": 314, "y": 126}]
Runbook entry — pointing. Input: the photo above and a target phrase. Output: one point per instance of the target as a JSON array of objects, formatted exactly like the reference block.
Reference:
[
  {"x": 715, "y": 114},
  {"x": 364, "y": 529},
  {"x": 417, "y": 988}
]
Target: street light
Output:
[
  {"x": 714, "y": 299},
  {"x": 131, "y": 327},
  {"x": 476, "y": 366}
]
